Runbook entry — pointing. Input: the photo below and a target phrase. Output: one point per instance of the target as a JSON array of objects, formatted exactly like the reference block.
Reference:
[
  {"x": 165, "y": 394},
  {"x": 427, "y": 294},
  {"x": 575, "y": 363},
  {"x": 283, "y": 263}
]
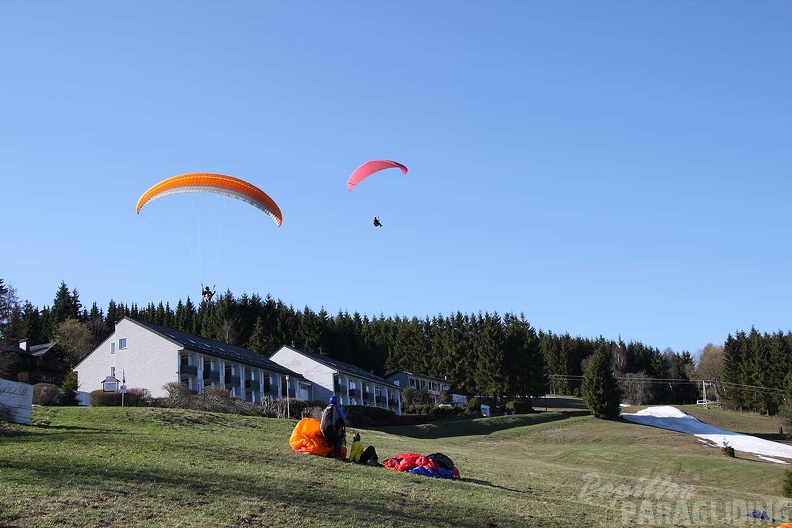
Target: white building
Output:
[
  {"x": 148, "y": 356},
  {"x": 435, "y": 387},
  {"x": 352, "y": 385}
]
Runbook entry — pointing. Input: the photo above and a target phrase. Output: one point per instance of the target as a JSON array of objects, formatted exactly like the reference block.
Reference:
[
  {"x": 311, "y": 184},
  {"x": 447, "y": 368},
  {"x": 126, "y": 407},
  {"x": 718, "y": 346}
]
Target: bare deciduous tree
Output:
[
  {"x": 75, "y": 339},
  {"x": 635, "y": 388}
]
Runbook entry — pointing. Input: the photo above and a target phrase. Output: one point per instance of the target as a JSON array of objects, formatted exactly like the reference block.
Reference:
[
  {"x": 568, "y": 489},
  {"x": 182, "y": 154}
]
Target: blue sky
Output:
[{"x": 605, "y": 168}]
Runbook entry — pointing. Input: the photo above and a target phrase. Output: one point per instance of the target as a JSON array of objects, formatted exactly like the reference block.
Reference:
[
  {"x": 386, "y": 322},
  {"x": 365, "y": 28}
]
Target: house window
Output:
[
  {"x": 112, "y": 347},
  {"x": 122, "y": 343},
  {"x": 112, "y": 371}
]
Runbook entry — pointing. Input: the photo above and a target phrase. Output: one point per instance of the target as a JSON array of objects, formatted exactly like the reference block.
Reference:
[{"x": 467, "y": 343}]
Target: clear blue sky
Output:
[{"x": 606, "y": 168}]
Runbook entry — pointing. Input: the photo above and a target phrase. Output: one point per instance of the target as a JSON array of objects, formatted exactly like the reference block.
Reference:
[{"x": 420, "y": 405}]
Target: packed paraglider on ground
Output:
[{"x": 327, "y": 438}]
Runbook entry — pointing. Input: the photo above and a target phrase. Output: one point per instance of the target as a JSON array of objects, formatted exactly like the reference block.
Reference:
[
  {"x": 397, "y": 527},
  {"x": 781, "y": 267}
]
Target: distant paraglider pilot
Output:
[
  {"x": 207, "y": 294},
  {"x": 377, "y": 223}
]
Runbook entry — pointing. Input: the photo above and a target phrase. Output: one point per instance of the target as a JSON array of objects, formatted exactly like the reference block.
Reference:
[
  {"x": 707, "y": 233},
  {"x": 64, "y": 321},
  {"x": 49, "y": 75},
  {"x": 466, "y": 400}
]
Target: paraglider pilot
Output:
[
  {"x": 207, "y": 294},
  {"x": 333, "y": 426},
  {"x": 377, "y": 222}
]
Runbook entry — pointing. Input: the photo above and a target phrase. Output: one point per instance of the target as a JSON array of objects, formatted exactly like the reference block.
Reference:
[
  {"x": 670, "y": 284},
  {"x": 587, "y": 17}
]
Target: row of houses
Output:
[{"x": 144, "y": 355}]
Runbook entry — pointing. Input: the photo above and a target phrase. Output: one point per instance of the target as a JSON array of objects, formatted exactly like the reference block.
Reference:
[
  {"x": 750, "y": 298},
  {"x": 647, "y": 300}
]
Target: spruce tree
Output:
[{"x": 601, "y": 392}]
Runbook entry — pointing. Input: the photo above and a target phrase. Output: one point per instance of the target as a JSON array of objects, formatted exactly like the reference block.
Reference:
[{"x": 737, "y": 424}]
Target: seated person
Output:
[{"x": 360, "y": 455}]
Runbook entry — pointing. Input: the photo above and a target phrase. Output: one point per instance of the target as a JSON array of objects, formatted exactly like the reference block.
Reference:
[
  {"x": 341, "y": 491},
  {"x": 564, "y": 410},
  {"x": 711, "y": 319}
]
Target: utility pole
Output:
[
  {"x": 288, "y": 411},
  {"x": 123, "y": 387}
]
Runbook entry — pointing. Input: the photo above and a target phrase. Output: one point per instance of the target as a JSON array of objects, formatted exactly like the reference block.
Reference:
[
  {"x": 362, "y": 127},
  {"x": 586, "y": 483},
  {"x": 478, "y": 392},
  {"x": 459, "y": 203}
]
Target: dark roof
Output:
[
  {"x": 40, "y": 350},
  {"x": 216, "y": 348},
  {"x": 416, "y": 374},
  {"x": 347, "y": 368},
  {"x": 34, "y": 350}
]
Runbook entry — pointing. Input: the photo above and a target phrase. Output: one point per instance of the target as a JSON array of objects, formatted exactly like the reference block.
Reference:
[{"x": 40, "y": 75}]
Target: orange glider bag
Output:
[{"x": 307, "y": 438}]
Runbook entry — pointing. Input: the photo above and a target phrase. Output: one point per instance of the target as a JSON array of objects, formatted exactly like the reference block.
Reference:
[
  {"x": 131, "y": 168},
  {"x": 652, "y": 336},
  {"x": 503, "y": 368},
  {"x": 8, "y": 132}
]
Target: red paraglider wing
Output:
[{"x": 369, "y": 168}]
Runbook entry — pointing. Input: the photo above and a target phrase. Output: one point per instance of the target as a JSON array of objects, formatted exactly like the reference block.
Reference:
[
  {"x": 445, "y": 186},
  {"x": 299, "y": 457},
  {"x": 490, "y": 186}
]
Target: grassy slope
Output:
[{"x": 159, "y": 467}]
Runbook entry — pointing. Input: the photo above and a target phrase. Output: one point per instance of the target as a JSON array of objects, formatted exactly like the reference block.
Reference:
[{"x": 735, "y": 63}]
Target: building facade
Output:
[
  {"x": 330, "y": 377},
  {"x": 148, "y": 356},
  {"x": 435, "y": 387}
]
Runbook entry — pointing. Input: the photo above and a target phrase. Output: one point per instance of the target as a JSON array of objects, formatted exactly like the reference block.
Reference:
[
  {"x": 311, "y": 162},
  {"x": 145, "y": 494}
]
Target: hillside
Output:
[{"x": 164, "y": 467}]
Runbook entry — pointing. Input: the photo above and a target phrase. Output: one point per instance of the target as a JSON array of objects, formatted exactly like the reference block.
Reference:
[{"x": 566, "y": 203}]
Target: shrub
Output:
[
  {"x": 418, "y": 408},
  {"x": 132, "y": 398},
  {"x": 178, "y": 395},
  {"x": 137, "y": 397},
  {"x": 786, "y": 490},
  {"x": 727, "y": 450},
  {"x": 473, "y": 406},
  {"x": 365, "y": 416},
  {"x": 45, "y": 393},
  {"x": 68, "y": 395},
  {"x": 519, "y": 407},
  {"x": 305, "y": 409},
  {"x": 100, "y": 398}
]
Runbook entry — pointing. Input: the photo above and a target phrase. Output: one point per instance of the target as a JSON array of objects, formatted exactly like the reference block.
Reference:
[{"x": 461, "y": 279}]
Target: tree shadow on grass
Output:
[{"x": 478, "y": 426}]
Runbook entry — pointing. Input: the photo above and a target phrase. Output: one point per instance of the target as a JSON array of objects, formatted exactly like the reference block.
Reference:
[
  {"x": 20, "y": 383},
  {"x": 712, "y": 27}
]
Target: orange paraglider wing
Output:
[
  {"x": 307, "y": 438},
  {"x": 215, "y": 183},
  {"x": 369, "y": 168}
]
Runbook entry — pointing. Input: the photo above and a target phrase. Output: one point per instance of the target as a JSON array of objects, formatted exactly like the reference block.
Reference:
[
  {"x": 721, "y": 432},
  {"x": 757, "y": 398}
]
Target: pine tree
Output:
[
  {"x": 600, "y": 390},
  {"x": 8, "y": 301},
  {"x": 258, "y": 338},
  {"x": 33, "y": 324},
  {"x": 490, "y": 358}
]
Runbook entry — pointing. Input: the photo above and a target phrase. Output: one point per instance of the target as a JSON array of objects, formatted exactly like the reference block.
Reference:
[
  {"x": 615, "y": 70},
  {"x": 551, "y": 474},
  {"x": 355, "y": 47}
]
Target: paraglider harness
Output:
[
  {"x": 333, "y": 428},
  {"x": 377, "y": 223}
]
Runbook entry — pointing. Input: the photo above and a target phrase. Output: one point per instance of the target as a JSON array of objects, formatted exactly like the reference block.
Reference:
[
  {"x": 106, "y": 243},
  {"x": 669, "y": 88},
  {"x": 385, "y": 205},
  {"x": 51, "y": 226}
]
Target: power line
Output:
[{"x": 678, "y": 381}]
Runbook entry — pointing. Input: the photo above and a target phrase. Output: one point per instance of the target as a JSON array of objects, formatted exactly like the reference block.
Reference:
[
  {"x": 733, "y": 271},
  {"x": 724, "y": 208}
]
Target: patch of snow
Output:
[
  {"x": 771, "y": 459},
  {"x": 667, "y": 417}
]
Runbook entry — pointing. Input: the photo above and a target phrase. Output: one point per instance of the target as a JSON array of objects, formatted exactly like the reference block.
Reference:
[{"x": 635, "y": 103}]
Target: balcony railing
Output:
[
  {"x": 190, "y": 370},
  {"x": 354, "y": 393},
  {"x": 366, "y": 395},
  {"x": 393, "y": 403},
  {"x": 232, "y": 380},
  {"x": 212, "y": 375}
]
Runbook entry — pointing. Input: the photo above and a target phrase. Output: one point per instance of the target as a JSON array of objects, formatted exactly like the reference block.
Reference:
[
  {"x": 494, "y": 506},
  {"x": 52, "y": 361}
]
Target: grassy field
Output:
[{"x": 85, "y": 467}]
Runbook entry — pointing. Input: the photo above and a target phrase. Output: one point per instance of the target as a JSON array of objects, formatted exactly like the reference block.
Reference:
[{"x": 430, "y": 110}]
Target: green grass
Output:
[{"x": 86, "y": 467}]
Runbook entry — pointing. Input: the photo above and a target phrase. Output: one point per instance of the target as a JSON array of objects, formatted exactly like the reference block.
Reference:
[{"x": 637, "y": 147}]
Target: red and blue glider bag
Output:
[{"x": 434, "y": 465}]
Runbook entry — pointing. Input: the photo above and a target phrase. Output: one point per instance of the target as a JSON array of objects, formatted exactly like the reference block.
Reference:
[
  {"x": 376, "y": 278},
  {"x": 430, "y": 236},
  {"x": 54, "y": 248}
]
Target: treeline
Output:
[
  {"x": 486, "y": 354},
  {"x": 756, "y": 371}
]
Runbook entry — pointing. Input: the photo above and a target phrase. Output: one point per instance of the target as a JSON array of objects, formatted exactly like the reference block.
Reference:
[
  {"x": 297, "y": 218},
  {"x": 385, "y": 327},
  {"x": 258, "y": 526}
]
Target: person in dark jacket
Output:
[
  {"x": 333, "y": 426},
  {"x": 207, "y": 294}
]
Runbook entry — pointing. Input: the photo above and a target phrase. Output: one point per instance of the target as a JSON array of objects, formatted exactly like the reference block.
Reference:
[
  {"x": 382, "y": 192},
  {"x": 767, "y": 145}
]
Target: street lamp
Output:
[{"x": 288, "y": 412}]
